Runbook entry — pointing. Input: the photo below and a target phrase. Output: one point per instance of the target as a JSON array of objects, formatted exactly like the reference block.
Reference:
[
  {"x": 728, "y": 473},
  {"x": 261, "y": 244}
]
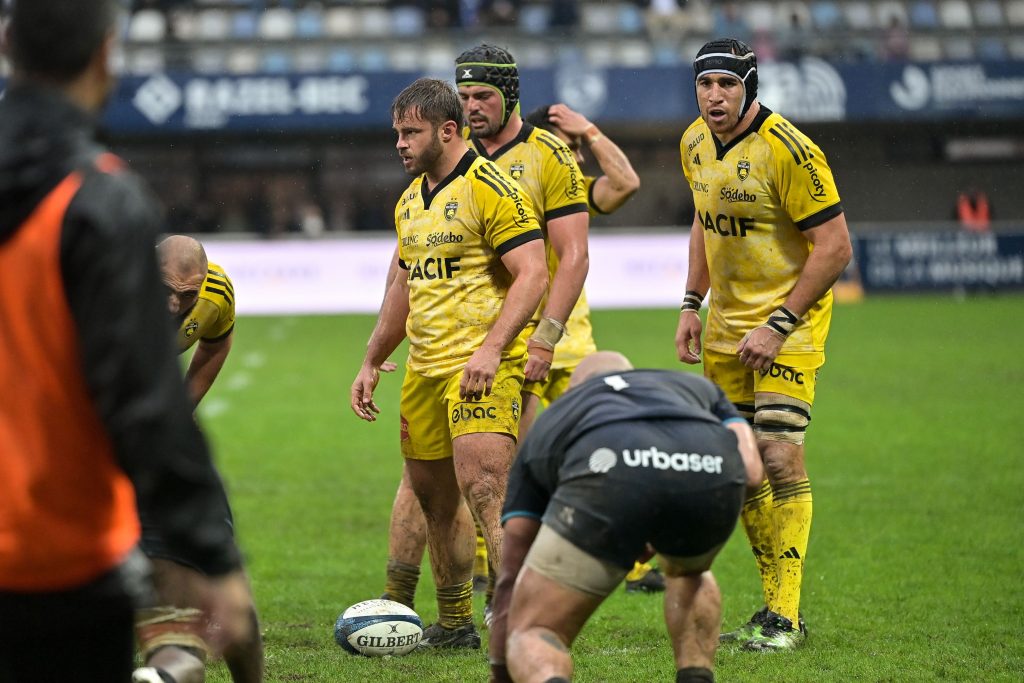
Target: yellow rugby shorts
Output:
[
  {"x": 792, "y": 374},
  {"x": 432, "y": 413}
]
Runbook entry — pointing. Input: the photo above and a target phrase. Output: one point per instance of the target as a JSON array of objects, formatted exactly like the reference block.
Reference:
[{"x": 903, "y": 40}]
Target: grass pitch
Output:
[{"x": 915, "y": 564}]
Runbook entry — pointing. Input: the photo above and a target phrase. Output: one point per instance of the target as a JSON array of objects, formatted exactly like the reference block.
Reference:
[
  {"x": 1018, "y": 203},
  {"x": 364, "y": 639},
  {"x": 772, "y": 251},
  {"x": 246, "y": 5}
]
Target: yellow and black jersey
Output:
[
  {"x": 546, "y": 169},
  {"x": 450, "y": 242},
  {"x": 592, "y": 207},
  {"x": 753, "y": 198},
  {"x": 213, "y": 316}
]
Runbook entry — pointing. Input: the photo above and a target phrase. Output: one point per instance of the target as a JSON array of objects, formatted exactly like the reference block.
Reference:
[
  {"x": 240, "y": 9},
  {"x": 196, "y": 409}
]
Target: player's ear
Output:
[{"x": 449, "y": 130}]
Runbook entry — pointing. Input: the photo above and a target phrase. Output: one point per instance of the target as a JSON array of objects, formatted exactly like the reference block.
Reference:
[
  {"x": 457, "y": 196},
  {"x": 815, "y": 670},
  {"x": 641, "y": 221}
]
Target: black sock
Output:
[{"x": 695, "y": 674}]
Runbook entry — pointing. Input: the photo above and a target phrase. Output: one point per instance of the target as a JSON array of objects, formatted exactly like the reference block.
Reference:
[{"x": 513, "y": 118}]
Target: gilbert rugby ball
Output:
[{"x": 378, "y": 627}]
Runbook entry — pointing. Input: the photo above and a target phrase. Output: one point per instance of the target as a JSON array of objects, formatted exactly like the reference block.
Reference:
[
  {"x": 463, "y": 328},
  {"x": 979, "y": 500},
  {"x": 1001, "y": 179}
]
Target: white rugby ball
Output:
[{"x": 378, "y": 627}]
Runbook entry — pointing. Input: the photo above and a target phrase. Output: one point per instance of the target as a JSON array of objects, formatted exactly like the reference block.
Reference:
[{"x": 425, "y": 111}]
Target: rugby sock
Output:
[
  {"x": 695, "y": 674},
  {"x": 455, "y": 604},
  {"x": 792, "y": 512},
  {"x": 492, "y": 579},
  {"x": 401, "y": 581},
  {"x": 480, "y": 560},
  {"x": 638, "y": 571},
  {"x": 759, "y": 524}
]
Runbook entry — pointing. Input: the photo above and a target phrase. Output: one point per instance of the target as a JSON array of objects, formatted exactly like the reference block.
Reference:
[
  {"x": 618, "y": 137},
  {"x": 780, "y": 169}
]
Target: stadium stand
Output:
[{"x": 608, "y": 33}]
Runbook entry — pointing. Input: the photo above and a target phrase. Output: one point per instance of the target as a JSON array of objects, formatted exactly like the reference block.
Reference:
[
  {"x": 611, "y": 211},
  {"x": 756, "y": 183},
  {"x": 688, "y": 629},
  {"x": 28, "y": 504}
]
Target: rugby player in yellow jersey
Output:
[
  {"x": 606, "y": 194},
  {"x": 202, "y": 301},
  {"x": 769, "y": 239},
  {"x": 472, "y": 257}
]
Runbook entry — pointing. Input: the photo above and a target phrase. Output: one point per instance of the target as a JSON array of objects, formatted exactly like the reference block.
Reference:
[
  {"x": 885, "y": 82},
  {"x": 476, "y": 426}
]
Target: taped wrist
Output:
[
  {"x": 549, "y": 331},
  {"x": 592, "y": 134},
  {"x": 692, "y": 301},
  {"x": 782, "y": 321}
]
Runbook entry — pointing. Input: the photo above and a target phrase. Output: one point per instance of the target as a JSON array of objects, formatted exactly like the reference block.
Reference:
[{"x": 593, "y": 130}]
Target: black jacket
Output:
[{"x": 124, "y": 332}]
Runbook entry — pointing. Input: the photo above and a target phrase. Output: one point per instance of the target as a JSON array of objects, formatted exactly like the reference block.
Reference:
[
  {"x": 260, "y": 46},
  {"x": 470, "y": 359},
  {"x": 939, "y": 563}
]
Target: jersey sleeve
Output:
[
  {"x": 592, "y": 207},
  {"x": 506, "y": 212},
  {"x": 219, "y": 289},
  {"x": 565, "y": 192},
  {"x": 804, "y": 179}
]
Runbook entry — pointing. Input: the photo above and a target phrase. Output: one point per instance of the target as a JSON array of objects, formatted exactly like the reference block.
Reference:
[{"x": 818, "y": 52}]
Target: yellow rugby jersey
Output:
[
  {"x": 546, "y": 169},
  {"x": 450, "y": 242},
  {"x": 213, "y": 316},
  {"x": 753, "y": 197},
  {"x": 588, "y": 186}
]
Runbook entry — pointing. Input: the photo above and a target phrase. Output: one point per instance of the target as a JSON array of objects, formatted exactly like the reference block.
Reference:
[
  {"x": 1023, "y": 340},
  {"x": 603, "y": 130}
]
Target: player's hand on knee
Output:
[
  {"x": 688, "y": 337},
  {"x": 539, "y": 358},
  {"x": 759, "y": 348}
]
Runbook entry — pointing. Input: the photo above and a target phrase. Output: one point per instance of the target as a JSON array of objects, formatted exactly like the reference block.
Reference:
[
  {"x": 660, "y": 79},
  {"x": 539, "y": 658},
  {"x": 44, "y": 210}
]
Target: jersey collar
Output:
[
  {"x": 755, "y": 125},
  {"x": 460, "y": 169},
  {"x": 524, "y": 135}
]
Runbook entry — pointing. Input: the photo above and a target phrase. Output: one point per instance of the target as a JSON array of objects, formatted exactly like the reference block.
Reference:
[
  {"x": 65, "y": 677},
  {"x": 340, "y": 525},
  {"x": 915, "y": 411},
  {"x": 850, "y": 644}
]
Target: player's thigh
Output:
[
  {"x": 735, "y": 379},
  {"x": 424, "y": 418},
  {"x": 783, "y": 396},
  {"x": 560, "y": 586},
  {"x": 793, "y": 375},
  {"x": 556, "y": 384},
  {"x": 484, "y": 431}
]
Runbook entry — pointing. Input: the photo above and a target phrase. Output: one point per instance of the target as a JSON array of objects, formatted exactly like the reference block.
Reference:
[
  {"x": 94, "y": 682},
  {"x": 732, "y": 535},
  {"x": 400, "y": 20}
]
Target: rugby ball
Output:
[{"x": 376, "y": 628}]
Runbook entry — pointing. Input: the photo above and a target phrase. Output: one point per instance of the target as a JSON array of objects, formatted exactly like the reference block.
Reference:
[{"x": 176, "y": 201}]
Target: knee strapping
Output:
[
  {"x": 159, "y": 627},
  {"x": 784, "y": 419}
]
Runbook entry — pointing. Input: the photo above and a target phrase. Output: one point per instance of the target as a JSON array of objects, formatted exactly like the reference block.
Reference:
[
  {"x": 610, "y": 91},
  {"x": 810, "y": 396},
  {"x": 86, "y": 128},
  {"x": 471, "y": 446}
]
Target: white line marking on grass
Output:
[
  {"x": 214, "y": 407},
  {"x": 238, "y": 381},
  {"x": 254, "y": 359}
]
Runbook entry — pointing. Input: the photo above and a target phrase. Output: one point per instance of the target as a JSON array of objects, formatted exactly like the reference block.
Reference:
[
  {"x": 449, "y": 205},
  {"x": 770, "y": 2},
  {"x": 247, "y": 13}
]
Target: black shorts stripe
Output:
[
  {"x": 517, "y": 241},
  {"x": 796, "y": 157}
]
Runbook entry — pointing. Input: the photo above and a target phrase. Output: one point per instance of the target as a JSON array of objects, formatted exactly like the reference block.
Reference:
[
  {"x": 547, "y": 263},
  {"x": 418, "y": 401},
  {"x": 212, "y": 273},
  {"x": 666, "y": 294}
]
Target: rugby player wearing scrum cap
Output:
[{"x": 769, "y": 239}]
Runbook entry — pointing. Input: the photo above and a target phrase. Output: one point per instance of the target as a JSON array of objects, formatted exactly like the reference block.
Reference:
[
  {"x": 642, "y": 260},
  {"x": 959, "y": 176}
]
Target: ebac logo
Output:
[
  {"x": 465, "y": 412},
  {"x": 784, "y": 373}
]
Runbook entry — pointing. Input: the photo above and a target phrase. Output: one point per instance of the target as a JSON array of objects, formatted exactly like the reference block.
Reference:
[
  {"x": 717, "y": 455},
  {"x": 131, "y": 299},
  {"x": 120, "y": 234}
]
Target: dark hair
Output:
[
  {"x": 435, "y": 100},
  {"x": 57, "y": 39},
  {"x": 539, "y": 118}
]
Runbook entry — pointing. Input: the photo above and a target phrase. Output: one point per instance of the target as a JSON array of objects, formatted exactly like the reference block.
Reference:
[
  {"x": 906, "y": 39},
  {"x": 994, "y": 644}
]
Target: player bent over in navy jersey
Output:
[{"x": 626, "y": 462}]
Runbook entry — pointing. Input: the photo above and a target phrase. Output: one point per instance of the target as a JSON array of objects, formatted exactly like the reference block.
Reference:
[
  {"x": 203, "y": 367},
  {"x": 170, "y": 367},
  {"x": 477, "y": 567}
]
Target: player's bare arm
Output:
[
  {"x": 698, "y": 279},
  {"x": 528, "y": 268},
  {"x": 519, "y": 535},
  {"x": 620, "y": 181},
  {"x": 832, "y": 253},
  {"x": 387, "y": 335},
  {"x": 205, "y": 365},
  {"x": 568, "y": 238}
]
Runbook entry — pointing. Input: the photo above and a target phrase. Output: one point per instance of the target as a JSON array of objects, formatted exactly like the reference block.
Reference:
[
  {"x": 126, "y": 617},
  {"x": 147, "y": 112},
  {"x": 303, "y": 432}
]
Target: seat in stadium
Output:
[
  {"x": 631, "y": 19},
  {"x": 988, "y": 14},
  {"x": 760, "y": 16},
  {"x": 243, "y": 60},
  {"x": 923, "y": 15},
  {"x": 1015, "y": 46},
  {"x": 408, "y": 21},
  {"x": 991, "y": 48},
  {"x": 374, "y": 59},
  {"x": 925, "y": 48},
  {"x": 533, "y": 19},
  {"x": 955, "y": 14},
  {"x": 309, "y": 59},
  {"x": 341, "y": 22},
  {"x": 244, "y": 25},
  {"x": 341, "y": 59},
  {"x": 147, "y": 26},
  {"x": 277, "y": 62},
  {"x": 309, "y": 22},
  {"x": 635, "y": 54},
  {"x": 212, "y": 25},
  {"x": 784, "y": 12},
  {"x": 598, "y": 19},
  {"x": 959, "y": 48},
  {"x": 374, "y": 22},
  {"x": 209, "y": 61},
  {"x": 145, "y": 61},
  {"x": 405, "y": 56},
  {"x": 885, "y": 12},
  {"x": 859, "y": 16},
  {"x": 826, "y": 15},
  {"x": 277, "y": 23},
  {"x": 438, "y": 57},
  {"x": 1015, "y": 12}
]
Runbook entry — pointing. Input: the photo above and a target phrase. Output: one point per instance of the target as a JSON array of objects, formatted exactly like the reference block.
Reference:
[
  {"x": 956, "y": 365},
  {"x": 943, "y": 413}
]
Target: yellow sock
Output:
[
  {"x": 480, "y": 560},
  {"x": 759, "y": 524},
  {"x": 455, "y": 604},
  {"x": 401, "y": 582},
  {"x": 638, "y": 571},
  {"x": 792, "y": 513}
]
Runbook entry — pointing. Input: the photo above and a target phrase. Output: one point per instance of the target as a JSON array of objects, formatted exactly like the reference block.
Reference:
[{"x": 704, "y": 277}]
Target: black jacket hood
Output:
[{"x": 43, "y": 138}]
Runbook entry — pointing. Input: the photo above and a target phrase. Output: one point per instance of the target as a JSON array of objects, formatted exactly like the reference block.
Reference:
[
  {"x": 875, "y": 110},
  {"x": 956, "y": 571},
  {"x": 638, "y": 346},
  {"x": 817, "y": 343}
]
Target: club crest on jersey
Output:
[
  {"x": 516, "y": 170},
  {"x": 191, "y": 328},
  {"x": 449, "y": 210},
  {"x": 742, "y": 169}
]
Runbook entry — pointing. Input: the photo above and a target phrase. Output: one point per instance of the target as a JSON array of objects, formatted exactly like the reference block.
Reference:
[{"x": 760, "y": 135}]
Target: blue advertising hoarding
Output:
[{"x": 809, "y": 90}]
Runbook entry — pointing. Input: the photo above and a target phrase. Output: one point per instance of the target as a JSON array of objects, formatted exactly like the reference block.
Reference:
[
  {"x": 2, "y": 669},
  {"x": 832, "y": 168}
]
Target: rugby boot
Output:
[
  {"x": 651, "y": 582},
  {"x": 437, "y": 637},
  {"x": 744, "y": 632},
  {"x": 775, "y": 632}
]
